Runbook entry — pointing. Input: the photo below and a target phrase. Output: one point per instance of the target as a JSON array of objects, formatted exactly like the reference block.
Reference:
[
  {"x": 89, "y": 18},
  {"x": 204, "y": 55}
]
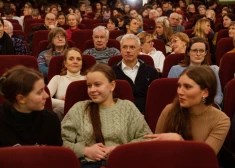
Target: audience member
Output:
[
  {"x": 112, "y": 24},
  {"x": 202, "y": 9},
  {"x": 101, "y": 52},
  {"x": 153, "y": 14},
  {"x": 72, "y": 20},
  {"x": 135, "y": 71},
  {"x": 179, "y": 42},
  {"x": 174, "y": 22},
  {"x": 24, "y": 119},
  {"x": 94, "y": 128},
  {"x": 231, "y": 29},
  {"x": 61, "y": 19},
  {"x": 227, "y": 19}
]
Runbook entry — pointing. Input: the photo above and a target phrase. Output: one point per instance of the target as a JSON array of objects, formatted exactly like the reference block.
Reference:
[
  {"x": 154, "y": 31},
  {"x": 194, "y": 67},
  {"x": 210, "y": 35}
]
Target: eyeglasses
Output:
[
  {"x": 150, "y": 41},
  {"x": 59, "y": 37},
  {"x": 125, "y": 47},
  {"x": 195, "y": 51}
]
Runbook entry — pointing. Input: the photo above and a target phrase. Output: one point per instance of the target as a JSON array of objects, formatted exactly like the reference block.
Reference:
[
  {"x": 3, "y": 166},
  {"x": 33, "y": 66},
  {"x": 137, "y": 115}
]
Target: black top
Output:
[{"x": 36, "y": 128}]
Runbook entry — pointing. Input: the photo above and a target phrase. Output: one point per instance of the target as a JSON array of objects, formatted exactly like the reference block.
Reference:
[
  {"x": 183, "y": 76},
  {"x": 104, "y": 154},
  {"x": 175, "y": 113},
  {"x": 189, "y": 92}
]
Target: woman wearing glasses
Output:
[
  {"x": 196, "y": 55},
  {"x": 57, "y": 45},
  {"x": 147, "y": 48}
]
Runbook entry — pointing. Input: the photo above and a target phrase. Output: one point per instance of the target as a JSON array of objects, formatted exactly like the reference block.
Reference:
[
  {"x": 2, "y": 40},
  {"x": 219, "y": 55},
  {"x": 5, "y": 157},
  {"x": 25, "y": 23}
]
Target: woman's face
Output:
[
  {"x": 59, "y": 40},
  {"x": 226, "y": 21},
  {"x": 202, "y": 11},
  {"x": 197, "y": 53},
  {"x": 159, "y": 11},
  {"x": 189, "y": 92},
  {"x": 120, "y": 22},
  {"x": 73, "y": 61},
  {"x": 98, "y": 6},
  {"x": 159, "y": 29},
  {"x": 177, "y": 45},
  {"x": 231, "y": 31},
  {"x": 61, "y": 20},
  {"x": 1, "y": 29},
  {"x": 145, "y": 13},
  {"x": 72, "y": 22},
  {"x": 207, "y": 28},
  {"x": 147, "y": 46},
  {"x": 71, "y": 10},
  {"x": 99, "y": 88},
  {"x": 36, "y": 99},
  {"x": 110, "y": 25},
  {"x": 115, "y": 12}
]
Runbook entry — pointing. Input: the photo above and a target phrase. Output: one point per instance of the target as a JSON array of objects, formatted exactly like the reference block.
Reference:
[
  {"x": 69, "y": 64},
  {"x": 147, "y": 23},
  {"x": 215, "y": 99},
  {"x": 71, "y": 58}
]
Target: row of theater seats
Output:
[{"x": 177, "y": 154}]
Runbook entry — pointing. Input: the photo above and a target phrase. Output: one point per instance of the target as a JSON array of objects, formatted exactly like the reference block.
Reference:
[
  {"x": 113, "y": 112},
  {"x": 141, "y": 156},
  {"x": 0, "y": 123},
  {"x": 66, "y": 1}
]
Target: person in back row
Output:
[
  {"x": 101, "y": 52},
  {"x": 23, "y": 119},
  {"x": 135, "y": 71}
]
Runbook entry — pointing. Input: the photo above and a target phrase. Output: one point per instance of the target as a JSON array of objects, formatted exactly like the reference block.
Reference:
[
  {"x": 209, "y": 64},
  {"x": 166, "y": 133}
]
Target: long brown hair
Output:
[
  {"x": 93, "y": 108},
  {"x": 178, "y": 119}
]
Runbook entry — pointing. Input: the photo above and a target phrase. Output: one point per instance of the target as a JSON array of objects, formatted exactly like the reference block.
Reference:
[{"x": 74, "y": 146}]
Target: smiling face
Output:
[
  {"x": 231, "y": 31},
  {"x": 197, "y": 53},
  {"x": 100, "y": 89},
  {"x": 226, "y": 21},
  {"x": 73, "y": 61},
  {"x": 189, "y": 92},
  {"x": 36, "y": 99}
]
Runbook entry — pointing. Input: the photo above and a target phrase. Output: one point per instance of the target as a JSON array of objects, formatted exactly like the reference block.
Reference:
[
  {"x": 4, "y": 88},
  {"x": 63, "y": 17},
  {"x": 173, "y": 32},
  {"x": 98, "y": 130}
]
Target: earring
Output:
[{"x": 203, "y": 100}]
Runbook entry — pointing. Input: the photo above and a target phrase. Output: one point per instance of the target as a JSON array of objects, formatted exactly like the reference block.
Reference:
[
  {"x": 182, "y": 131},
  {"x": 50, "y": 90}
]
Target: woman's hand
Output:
[
  {"x": 95, "y": 152},
  {"x": 109, "y": 150},
  {"x": 165, "y": 136}
]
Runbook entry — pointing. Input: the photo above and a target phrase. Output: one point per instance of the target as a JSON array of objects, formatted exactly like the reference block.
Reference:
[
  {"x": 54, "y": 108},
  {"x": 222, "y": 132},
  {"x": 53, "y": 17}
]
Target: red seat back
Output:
[
  {"x": 80, "y": 37},
  {"x": 222, "y": 34},
  {"x": 157, "y": 99},
  {"x": 99, "y": 24},
  {"x": 150, "y": 22},
  {"x": 90, "y": 22},
  {"x": 16, "y": 26},
  {"x": 20, "y": 33},
  {"x": 37, "y": 38},
  {"x": 77, "y": 91},
  {"x": 159, "y": 45},
  {"x": 28, "y": 22},
  {"x": 115, "y": 33}
]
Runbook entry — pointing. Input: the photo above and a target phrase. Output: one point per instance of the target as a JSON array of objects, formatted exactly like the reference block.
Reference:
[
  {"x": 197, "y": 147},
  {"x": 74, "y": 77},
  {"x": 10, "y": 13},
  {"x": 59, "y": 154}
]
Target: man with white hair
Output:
[
  {"x": 174, "y": 22},
  {"x": 134, "y": 70},
  {"x": 18, "y": 44},
  {"x": 100, "y": 51},
  {"x": 153, "y": 14}
]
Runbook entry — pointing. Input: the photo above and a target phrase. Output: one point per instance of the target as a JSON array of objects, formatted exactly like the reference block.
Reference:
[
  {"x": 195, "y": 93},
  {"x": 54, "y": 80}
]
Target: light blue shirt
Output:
[{"x": 176, "y": 70}]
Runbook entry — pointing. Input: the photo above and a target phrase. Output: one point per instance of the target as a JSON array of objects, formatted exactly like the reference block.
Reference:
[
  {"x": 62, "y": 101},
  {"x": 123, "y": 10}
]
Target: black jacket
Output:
[
  {"x": 36, "y": 128},
  {"x": 145, "y": 75}
]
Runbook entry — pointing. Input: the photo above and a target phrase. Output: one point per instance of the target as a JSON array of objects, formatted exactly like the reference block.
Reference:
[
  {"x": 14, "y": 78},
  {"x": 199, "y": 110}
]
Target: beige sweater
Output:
[
  {"x": 121, "y": 124},
  {"x": 210, "y": 127}
]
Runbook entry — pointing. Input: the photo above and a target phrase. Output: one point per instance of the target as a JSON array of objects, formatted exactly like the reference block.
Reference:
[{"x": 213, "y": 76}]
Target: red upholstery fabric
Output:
[
  {"x": 171, "y": 60},
  {"x": 114, "y": 60},
  {"x": 56, "y": 65},
  {"x": 159, "y": 45},
  {"x": 111, "y": 43},
  {"x": 99, "y": 24},
  {"x": 13, "y": 20},
  {"x": 164, "y": 154},
  {"x": 28, "y": 22},
  {"x": 189, "y": 26},
  {"x": 44, "y": 43},
  {"x": 77, "y": 91},
  {"x": 160, "y": 93},
  {"x": 82, "y": 26},
  {"x": 223, "y": 46},
  {"x": 37, "y": 37},
  {"x": 20, "y": 33},
  {"x": 115, "y": 33},
  {"x": 227, "y": 69},
  {"x": 16, "y": 26},
  {"x": 38, "y": 157},
  {"x": 145, "y": 27},
  {"x": 188, "y": 32},
  {"x": 222, "y": 34},
  {"x": 150, "y": 22},
  {"x": 34, "y": 25},
  {"x": 27, "y": 47},
  {"x": 90, "y": 22},
  {"x": 80, "y": 37}
]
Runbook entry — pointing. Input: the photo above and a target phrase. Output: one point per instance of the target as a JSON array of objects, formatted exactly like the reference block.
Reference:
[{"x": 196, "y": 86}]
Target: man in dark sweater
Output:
[{"x": 135, "y": 71}]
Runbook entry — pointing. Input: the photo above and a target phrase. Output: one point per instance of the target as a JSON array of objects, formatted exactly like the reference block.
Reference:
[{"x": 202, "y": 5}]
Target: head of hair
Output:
[
  {"x": 1, "y": 20},
  {"x": 101, "y": 28},
  {"x": 53, "y": 32},
  {"x": 200, "y": 26},
  {"x": 167, "y": 31},
  {"x": 179, "y": 118},
  {"x": 76, "y": 17},
  {"x": 18, "y": 80},
  {"x": 35, "y": 13},
  {"x": 131, "y": 36},
  {"x": 93, "y": 108},
  {"x": 190, "y": 6},
  {"x": 230, "y": 16},
  {"x": 182, "y": 36},
  {"x": 64, "y": 69},
  {"x": 201, "y": 6},
  {"x": 143, "y": 35},
  {"x": 114, "y": 20},
  {"x": 227, "y": 9},
  {"x": 186, "y": 61},
  {"x": 127, "y": 21},
  {"x": 9, "y": 25}
]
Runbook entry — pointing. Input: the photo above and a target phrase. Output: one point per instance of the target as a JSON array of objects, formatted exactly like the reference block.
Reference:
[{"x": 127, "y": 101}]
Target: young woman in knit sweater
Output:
[
  {"x": 191, "y": 116},
  {"x": 59, "y": 83},
  {"x": 93, "y": 128}
]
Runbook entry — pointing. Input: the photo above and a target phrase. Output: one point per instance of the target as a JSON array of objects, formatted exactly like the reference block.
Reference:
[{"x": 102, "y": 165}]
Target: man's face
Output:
[
  {"x": 50, "y": 19},
  {"x": 165, "y": 7},
  {"x": 107, "y": 15},
  {"x": 174, "y": 19},
  {"x": 129, "y": 50},
  {"x": 127, "y": 8},
  {"x": 133, "y": 27},
  {"x": 100, "y": 40}
]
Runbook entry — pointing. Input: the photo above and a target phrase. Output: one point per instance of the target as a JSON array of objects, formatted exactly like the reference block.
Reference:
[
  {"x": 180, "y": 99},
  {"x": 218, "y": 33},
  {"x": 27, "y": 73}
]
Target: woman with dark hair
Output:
[
  {"x": 93, "y": 128},
  {"x": 58, "y": 84},
  {"x": 24, "y": 121},
  {"x": 61, "y": 19},
  {"x": 227, "y": 19},
  {"x": 196, "y": 55},
  {"x": 57, "y": 45},
  {"x": 112, "y": 24},
  {"x": 6, "y": 43},
  {"x": 191, "y": 116}
]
